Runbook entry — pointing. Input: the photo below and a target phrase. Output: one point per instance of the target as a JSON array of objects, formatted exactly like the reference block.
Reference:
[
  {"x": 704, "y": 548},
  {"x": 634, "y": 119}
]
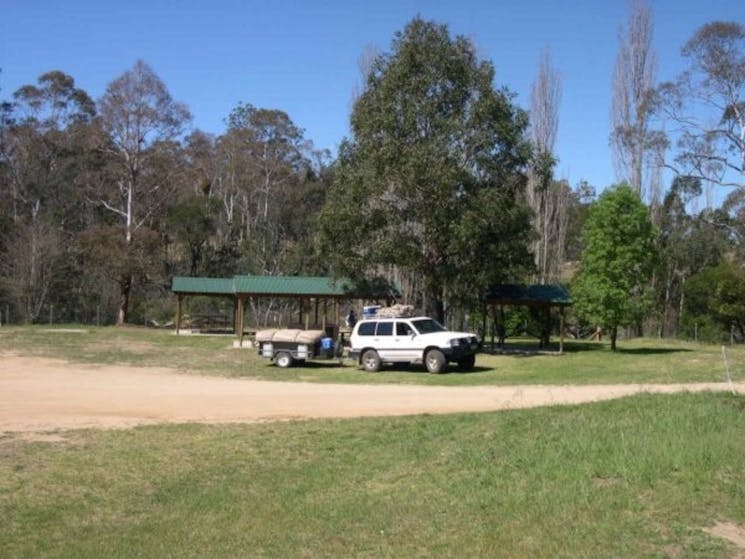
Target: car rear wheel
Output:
[
  {"x": 371, "y": 361},
  {"x": 435, "y": 361},
  {"x": 283, "y": 359}
]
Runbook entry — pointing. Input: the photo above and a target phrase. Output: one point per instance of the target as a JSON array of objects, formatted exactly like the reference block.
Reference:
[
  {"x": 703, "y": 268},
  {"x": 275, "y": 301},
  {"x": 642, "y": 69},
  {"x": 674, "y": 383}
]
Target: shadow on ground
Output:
[{"x": 651, "y": 350}]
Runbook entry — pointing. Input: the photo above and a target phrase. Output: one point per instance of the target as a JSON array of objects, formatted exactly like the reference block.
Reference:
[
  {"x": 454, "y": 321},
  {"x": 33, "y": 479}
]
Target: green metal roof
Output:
[
  {"x": 290, "y": 285},
  {"x": 211, "y": 286},
  {"x": 516, "y": 294},
  {"x": 284, "y": 286}
]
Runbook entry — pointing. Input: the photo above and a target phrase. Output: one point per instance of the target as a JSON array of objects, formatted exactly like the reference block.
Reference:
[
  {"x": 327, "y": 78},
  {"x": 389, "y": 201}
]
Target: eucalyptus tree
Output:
[
  {"x": 38, "y": 142},
  {"x": 716, "y": 301},
  {"x": 688, "y": 244},
  {"x": 45, "y": 145},
  {"x": 431, "y": 181},
  {"x": 636, "y": 145},
  {"x": 141, "y": 120},
  {"x": 708, "y": 102},
  {"x": 264, "y": 160},
  {"x": 547, "y": 198}
]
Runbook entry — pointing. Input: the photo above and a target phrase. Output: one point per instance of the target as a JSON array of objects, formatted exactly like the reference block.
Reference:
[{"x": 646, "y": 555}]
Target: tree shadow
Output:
[
  {"x": 327, "y": 364},
  {"x": 576, "y": 347},
  {"x": 652, "y": 350},
  {"x": 393, "y": 368},
  {"x": 581, "y": 347},
  {"x": 475, "y": 369}
]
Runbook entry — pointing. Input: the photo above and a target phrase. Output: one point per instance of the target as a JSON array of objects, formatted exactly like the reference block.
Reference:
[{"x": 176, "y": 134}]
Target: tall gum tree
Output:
[
  {"x": 707, "y": 102},
  {"x": 273, "y": 156},
  {"x": 635, "y": 144},
  {"x": 547, "y": 198},
  {"x": 432, "y": 179},
  {"x": 138, "y": 114},
  {"x": 41, "y": 154}
]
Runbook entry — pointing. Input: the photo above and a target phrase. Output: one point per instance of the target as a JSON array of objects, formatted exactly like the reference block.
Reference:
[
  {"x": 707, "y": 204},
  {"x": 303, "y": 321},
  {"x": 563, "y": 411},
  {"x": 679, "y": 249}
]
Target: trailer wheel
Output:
[{"x": 283, "y": 359}]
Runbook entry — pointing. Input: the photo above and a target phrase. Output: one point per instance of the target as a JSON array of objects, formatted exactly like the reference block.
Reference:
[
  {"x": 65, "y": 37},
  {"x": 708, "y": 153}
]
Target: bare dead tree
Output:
[
  {"x": 633, "y": 141},
  {"x": 547, "y": 198},
  {"x": 365, "y": 64}
]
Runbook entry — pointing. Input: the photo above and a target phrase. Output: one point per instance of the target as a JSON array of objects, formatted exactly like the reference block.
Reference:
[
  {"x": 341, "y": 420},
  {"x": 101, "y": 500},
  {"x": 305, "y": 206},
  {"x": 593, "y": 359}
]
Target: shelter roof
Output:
[
  {"x": 207, "y": 286},
  {"x": 281, "y": 286},
  {"x": 308, "y": 286}
]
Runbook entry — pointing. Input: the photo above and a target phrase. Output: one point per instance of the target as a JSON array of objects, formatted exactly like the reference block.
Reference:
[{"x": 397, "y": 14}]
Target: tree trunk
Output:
[
  {"x": 438, "y": 308},
  {"x": 613, "y": 337},
  {"x": 125, "y": 287}
]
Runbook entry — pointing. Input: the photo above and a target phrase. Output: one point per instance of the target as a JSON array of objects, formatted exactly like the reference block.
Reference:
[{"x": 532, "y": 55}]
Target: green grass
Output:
[
  {"x": 637, "y": 361},
  {"x": 637, "y": 477}
]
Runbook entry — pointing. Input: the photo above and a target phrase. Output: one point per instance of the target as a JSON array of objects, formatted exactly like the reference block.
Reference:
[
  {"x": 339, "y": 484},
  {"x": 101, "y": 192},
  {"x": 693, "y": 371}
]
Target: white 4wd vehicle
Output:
[{"x": 411, "y": 340}]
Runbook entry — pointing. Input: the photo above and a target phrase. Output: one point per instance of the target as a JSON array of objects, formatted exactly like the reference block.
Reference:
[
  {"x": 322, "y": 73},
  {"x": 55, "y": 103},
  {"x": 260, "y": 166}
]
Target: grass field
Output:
[
  {"x": 637, "y": 477},
  {"x": 642, "y": 361}
]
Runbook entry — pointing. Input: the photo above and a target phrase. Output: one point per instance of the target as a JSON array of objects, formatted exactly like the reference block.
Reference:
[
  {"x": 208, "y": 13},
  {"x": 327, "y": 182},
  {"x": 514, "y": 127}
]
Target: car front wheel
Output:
[{"x": 435, "y": 361}]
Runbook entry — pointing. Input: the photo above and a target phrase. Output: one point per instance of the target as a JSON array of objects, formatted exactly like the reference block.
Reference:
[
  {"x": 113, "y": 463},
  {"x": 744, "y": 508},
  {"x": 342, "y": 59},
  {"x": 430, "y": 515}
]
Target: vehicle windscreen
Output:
[{"x": 427, "y": 326}]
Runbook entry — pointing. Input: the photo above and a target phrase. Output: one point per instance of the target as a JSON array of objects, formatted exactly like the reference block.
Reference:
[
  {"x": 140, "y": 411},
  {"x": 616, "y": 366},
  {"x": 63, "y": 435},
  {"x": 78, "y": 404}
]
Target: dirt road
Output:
[{"x": 38, "y": 395}]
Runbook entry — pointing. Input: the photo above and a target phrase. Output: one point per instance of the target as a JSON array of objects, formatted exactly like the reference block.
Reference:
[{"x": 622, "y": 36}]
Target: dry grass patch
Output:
[
  {"x": 121, "y": 345},
  {"x": 731, "y": 532}
]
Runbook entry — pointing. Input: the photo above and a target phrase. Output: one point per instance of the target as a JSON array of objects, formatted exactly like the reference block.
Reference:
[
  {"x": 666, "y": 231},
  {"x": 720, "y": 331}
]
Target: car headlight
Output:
[{"x": 455, "y": 342}]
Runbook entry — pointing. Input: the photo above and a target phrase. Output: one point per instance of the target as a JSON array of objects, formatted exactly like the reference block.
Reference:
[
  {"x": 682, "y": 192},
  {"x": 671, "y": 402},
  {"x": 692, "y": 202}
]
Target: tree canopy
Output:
[
  {"x": 441, "y": 189},
  {"x": 617, "y": 260},
  {"x": 707, "y": 102},
  {"x": 430, "y": 182}
]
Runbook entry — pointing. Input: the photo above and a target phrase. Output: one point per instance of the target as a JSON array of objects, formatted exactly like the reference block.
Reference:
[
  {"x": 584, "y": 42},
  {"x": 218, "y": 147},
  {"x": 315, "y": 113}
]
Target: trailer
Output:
[{"x": 286, "y": 347}]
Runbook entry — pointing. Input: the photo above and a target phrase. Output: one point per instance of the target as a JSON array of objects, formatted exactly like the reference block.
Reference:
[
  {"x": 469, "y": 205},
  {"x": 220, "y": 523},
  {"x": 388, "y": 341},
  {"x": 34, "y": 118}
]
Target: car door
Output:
[
  {"x": 404, "y": 342},
  {"x": 383, "y": 341}
]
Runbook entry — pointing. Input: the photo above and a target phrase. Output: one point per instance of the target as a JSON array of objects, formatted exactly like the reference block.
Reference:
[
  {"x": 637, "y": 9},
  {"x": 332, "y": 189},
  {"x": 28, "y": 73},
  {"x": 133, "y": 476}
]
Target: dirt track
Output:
[{"x": 38, "y": 395}]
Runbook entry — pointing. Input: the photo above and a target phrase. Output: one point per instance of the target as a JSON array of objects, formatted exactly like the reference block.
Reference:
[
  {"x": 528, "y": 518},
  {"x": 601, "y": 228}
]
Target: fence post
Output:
[
  {"x": 51, "y": 314},
  {"x": 98, "y": 315}
]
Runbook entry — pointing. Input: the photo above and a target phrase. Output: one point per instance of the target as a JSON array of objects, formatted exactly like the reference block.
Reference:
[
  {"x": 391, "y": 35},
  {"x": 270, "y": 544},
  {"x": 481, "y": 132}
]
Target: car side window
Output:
[
  {"x": 366, "y": 328},
  {"x": 385, "y": 329},
  {"x": 403, "y": 329}
]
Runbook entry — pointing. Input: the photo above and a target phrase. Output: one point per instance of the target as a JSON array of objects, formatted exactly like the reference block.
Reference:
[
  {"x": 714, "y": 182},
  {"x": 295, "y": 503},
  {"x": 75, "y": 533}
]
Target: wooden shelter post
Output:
[
  {"x": 241, "y": 319},
  {"x": 483, "y": 322},
  {"x": 502, "y": 327},
  {"x": 179, "y": 299},
  {"x": 236, "y": 304},
  {"x": 493, "y": 325},
  {"x": 561, "y": 329}
]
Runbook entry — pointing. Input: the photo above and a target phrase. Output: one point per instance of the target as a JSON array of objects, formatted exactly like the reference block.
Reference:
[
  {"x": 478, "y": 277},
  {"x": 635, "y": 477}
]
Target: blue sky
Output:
[{"x": 301, "y": 57}]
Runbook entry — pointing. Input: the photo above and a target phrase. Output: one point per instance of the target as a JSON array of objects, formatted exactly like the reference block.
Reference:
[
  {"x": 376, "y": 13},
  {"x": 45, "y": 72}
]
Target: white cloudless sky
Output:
[{"x": 301, "y": 56}]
